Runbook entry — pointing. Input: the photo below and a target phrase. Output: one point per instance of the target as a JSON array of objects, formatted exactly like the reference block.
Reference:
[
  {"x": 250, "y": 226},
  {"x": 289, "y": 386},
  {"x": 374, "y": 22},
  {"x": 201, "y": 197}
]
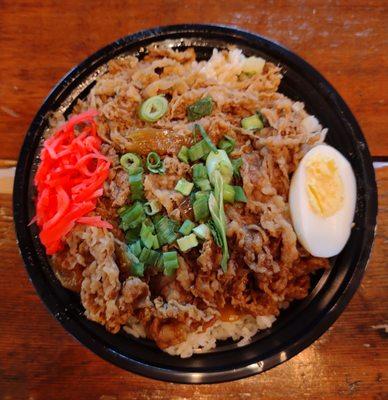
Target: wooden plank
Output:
[{"x": 41, "y": 41}]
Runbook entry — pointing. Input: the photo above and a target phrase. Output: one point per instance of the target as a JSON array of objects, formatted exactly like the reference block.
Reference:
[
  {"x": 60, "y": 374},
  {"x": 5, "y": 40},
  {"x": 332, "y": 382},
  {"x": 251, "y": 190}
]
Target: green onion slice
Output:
[
  {"x": 154, "y": 163},
  {"x": 199, "y": 172},
  {"x": 131, "y": 162},
  {"x": 239, "y": 194},
  {"x": 184, "y": 187},
  {"x": 236, "y": 165},
  {"x": 152, "y": 207},
  {"x": 205, "y": 137},
  {"x": 201, "y": 208},
  {"x": 227, "y": 144},
  {"x": 252, "y": 123},
  {"x": 183, "y": 154},
  {"x": 132, "y": 217},
  {"x": 188, "y": 242},
  {"x": 153, "y": 108},
  {"x": 202, "y": 232},
  {"x": 165, "y": 230},
  {"x": 229, "y": 193},
  {"x": 199, "y": 150},
  {"x": 170, "y": 262},
  {"x": 136, "y": 185},
  {"x": 186, "y": 227},
  {"x": 200, "y": 108}
]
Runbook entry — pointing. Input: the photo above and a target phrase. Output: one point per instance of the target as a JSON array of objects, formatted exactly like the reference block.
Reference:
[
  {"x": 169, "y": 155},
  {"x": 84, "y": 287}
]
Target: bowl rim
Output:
[{"x": 81, "y": 334}]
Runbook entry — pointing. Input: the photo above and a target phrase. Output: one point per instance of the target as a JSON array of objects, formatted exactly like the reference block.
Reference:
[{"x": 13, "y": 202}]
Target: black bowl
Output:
[{"x": 297, "y": 327}]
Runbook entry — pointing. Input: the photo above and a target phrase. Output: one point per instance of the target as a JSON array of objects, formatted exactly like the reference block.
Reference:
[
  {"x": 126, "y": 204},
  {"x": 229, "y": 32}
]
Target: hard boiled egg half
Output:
[{"x": 322, "y": 201}]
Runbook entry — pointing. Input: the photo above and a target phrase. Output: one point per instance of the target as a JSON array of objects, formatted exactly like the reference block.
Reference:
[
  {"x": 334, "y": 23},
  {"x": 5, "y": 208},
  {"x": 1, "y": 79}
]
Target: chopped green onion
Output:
[
  {"x": 201, "y": 193},
  {"x": 184, "y": 187},
  {"x": 170, "y": 262},
  {"x": 227, "y": 144},
  {"x": 237, "y": 164},
  {"x": 198, "y": 150},
  {"x": 136, "y": 185},
  {"x": 152, "y": 207},
  {"x": 122, "y": 209},
  {"x": 199, "y": 172},
  {"x": 147, "y": 234},
  {"x": 132, "y": 217},
  {"x": 252, "y": 123},
  {"x": 205, "y": 137},
  {"x": 203, "y": 184},
  {"x": 202, "y": 232},
  {"x": 154, "y": 163},
  {"x": 188, "y": 242},
  {"x": 239, "y": 194},
  {"x": 156, "y": 244},
  {"x": 200, "y": 108},
  {"x": 137, "y": 269},
  {"x": 148, "y": 256},
  {"x": 131, "y": 162},
  {"x": 183, "y": 154},
  {"x": 132, "y": 234},
  {"x": 153, "y": 108},
  {"x": 219, "y": 162},
  {"x": 214, "y": 232},
  {"x": 201, "y": 208},
  {"x": 135, "y": 248},
  {"x": 165, "y": 230},
  {"x": 186, "y": 227},
  {"x": 228, "y": 193},
  {"x": 216, "y": 207}
]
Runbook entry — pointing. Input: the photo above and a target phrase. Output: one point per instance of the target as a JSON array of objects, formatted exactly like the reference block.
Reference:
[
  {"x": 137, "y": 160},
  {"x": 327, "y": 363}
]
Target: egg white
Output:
[{"x": 322, "y": 236}]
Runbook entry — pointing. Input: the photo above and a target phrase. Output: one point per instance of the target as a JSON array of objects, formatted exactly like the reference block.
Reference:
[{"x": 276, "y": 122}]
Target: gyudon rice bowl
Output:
[{"x": 163, "y": 199}]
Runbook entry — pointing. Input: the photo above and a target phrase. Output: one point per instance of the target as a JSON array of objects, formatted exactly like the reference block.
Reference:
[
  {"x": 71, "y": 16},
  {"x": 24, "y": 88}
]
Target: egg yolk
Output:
[{"x": 324, "y": 186}]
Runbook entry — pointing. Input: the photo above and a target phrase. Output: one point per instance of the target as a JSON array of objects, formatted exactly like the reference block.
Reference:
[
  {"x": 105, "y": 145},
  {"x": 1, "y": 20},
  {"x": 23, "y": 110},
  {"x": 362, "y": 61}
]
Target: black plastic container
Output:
[{"x": 297, "y": 327}]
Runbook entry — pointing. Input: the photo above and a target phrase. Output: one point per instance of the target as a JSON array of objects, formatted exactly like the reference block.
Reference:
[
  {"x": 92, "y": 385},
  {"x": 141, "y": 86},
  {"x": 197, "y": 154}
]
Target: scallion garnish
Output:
[
  {"x": 154, "y": 163},
  {"x": 132, "y": 217},
  {"x": 252, "y": 123},
  {"x": 183, "y": 154},
  {"x": 165, "y": 230},
  {"x": 147, "y": 233},
  {"x": 184, "y": 187},
  {"x": 202, "y": 232},
  {"x": 152, "y": 207},
  {"x": 131, "y": 162},
  {"x": 203, "y": 184},
  {"x": 227, "y": 144},
  {"x": 201, "y": 208},
  {"x": 228, "y": 194},
  {"x": 237, "y": 164},
  {"x": 186, "y": 227},
  {"x": 216, "y": 207},
  {"x": 136, "y": 186},
  {"x": 132, "y": 234},
  {"x": 200, "y": 108},
  {"x": 153, "y": 108},
  {"x": 239, "y": 194},
  {"x": 137, "y": 269},
  {"x": 219, "y": 162},
  {"x": 198, "y": 150},
  {"x": 206, "y": 138},
  {"x": 188, "y": 242},
  {"x": 199, "y": 172},
  {"x": 135, "y": 248},
  {"x": 170, "y": 262}
]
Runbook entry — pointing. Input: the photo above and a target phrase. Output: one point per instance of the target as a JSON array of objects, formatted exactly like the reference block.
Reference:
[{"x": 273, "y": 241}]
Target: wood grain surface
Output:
[{"x": 39, "y": 42}]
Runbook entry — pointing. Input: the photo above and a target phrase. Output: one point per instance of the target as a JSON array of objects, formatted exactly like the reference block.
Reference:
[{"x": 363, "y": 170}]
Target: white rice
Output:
[{"x": 202, "y": 341}]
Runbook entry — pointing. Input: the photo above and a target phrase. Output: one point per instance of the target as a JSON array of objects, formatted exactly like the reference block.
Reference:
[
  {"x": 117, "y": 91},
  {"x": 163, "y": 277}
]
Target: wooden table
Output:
[{"x": 39, "y": 42}]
